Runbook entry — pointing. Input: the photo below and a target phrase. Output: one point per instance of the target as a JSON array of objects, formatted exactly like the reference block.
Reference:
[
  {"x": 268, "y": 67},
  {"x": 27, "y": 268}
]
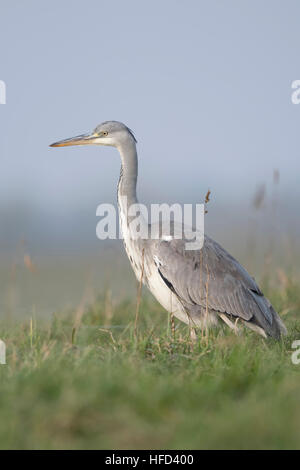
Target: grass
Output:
[{"x": 88, "y": 380}]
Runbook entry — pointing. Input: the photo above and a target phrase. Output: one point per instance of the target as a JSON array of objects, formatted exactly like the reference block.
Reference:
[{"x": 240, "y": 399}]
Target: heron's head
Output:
[{"x": 111, "y": 133}]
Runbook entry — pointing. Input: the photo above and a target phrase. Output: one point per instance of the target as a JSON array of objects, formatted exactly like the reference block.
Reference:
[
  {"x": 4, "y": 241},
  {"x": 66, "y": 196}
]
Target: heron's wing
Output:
[{"x": 211, "y": 278}]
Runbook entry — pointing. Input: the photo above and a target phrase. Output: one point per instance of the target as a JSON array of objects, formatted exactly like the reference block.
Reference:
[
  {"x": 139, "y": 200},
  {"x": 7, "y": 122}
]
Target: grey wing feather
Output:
[{"x": 211, "y": 278}]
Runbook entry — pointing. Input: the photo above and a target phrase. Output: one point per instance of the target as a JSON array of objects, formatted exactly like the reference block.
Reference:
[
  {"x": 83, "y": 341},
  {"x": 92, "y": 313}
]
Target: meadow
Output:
[
  {"x": 89, "y": 378},
  {"x": 91, "y": 364}
]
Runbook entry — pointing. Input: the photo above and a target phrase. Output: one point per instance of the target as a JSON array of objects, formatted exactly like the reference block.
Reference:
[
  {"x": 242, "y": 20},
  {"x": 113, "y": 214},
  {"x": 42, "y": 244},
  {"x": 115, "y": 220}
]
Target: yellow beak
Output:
[{"x": 84, "y": 139}]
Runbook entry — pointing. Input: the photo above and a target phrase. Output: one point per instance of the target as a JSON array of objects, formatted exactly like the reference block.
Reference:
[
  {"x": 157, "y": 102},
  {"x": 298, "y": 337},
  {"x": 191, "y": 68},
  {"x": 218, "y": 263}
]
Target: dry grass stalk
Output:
[
  {"x": 108, "y": 312},
  {"x": 87, "y": 295},
  {"x": 207, "y": 199},
  {"x": 259, "y": 196},
  {"x": 29, "y": 263},
  {"x": 172, "y": 325}
]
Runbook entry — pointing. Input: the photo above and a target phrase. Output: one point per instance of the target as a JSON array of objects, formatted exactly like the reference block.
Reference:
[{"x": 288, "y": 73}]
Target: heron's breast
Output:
[{"x": 165, "y": 296}]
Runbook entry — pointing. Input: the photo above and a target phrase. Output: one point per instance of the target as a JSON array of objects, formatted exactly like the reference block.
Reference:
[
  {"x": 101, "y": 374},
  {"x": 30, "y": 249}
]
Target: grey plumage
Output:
[
  {"x": 199, "y": 287},
  {"x": 211, "y": 280}
]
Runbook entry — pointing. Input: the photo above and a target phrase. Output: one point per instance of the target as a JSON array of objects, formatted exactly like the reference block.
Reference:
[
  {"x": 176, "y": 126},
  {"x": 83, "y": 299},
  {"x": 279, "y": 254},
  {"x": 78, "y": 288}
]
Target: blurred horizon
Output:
[{"x": 204, "y": 85}]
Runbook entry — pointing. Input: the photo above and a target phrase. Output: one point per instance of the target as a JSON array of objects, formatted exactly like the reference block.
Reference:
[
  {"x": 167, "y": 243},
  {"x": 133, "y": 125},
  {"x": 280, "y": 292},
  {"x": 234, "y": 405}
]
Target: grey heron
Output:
[{"x": 200, "y": 287}]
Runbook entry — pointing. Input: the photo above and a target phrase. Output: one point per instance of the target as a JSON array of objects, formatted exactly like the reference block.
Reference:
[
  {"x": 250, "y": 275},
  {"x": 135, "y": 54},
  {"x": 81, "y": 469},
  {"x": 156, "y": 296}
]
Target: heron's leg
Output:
[
  {"x": 228, "y": 322},
  {"x": 193, "y": 335}
]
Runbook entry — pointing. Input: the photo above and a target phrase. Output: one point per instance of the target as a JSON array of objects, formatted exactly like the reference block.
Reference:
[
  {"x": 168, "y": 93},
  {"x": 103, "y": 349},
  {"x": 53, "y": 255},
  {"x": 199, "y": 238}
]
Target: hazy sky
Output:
[{"x": 205, "y": 86}]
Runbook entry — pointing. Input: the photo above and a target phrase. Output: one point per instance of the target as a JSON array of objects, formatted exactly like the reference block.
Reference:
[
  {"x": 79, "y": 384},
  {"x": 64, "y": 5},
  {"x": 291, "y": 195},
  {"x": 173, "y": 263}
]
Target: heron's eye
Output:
[{"x": 104, "y": 133}]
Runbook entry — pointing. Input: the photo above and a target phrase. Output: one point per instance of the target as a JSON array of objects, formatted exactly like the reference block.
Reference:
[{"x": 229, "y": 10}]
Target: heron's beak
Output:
[{"x": 83, "y": 139}]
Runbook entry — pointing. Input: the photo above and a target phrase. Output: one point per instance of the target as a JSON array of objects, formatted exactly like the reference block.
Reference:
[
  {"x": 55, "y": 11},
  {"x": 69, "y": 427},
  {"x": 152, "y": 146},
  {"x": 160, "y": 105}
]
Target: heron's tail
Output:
[
  {"x": 280, "y": 325},
  {"x": 268, "y": 322}
]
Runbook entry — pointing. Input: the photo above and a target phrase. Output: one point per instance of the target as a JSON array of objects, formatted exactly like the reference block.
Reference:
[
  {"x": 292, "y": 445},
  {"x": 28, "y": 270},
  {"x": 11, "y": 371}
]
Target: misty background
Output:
[{"x": 206, "y": 88}]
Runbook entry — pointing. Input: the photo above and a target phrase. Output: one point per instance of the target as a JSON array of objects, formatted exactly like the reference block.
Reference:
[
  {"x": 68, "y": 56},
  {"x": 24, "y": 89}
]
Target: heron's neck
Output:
[
  {"x": 127, "y": 186},
  {"x": 128, "y": 175}
]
